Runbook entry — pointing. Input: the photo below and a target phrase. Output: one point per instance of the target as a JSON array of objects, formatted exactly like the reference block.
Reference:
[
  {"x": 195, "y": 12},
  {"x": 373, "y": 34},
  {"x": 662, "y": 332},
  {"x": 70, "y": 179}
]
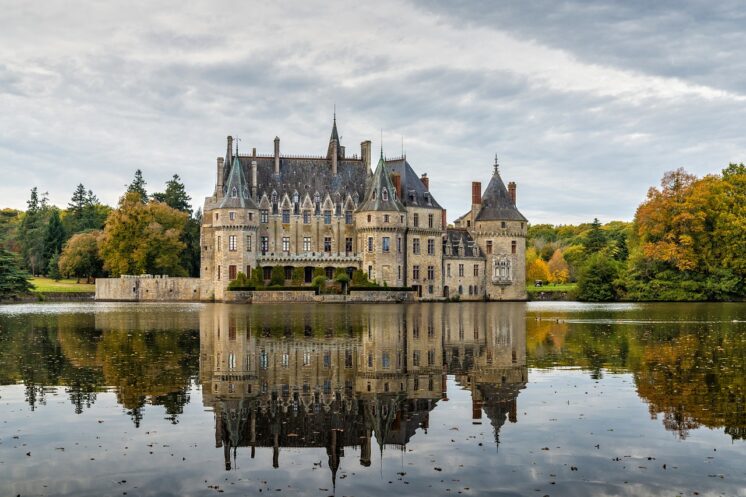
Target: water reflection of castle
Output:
[{"x": 336, "y": 377}]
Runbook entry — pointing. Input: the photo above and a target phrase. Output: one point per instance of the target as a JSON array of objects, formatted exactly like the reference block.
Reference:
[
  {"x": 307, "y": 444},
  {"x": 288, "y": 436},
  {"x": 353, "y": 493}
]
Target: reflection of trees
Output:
[
  {"x": 46, "y": 351},
  {"x": 693, "y": 374}
]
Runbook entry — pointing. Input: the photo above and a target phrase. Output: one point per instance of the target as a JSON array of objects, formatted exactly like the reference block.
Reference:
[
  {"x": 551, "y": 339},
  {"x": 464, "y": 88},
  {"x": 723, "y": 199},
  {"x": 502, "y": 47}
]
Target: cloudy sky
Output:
[{"x": 587, "y": 104}]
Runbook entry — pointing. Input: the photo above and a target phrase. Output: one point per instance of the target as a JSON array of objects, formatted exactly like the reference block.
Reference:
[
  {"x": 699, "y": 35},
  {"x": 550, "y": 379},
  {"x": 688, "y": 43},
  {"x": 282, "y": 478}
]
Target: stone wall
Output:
[
  {"x": 148, "y": 288},
  {"x": 285, "y": 296}
]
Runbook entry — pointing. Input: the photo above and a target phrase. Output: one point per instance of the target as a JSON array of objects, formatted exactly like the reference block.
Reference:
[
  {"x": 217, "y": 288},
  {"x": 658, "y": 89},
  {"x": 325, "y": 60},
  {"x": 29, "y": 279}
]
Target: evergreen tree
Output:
[
  {"x": 138, "y": 186},
  {"x": 54, "y": 236},
  {"x": 595, "y": 239},
  {"x": 598, "y": 280},
  {"x": 175, "y": 195},
  {"x": 53, "y": 268},
  {"x": 84, "y": 212},
  {"x": 13, "y": 280},
  {"x": 33, "y": 230}
]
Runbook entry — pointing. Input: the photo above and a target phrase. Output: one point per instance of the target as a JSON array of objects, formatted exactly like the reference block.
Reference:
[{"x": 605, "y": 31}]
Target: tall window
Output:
[
  {"x": 416, "y": 358},
  {"x": 513, "y": 246},
  {"x": 306, "y": 217},
  {"x": 231, "y": 272},
  {"x": 370, "y": 272},
  {"x": 232, "y": 243},
  {"x": 327, "y": 217},
  {"x": 264, "y": 216},
  {"x": 385, "y": 195},
  {"x": 476, "y": 269},
  {"x": 503, "y": 225},
  {"x": 385, "y": 359},
  {"x": 248, "y": 243},
  {"x": 348, "y": 217},
  {"x": 265, "y": 245},
  {"x": 386, "y": 244},
  {"x": 306, "y": 244},
  {"x": 415, "y": 272},
  {"x": 430, "y": 246},
  {"x": 461, "y": 270},
  {"x": 415, "y": 220},
  {"x": 370, "y": 244},
  {"x": 220, "y": 243},
  {"x": 448, "y": 270},
  {"x": 348, "y": 245},
  {"x": 286, "y": 244},
  {"x": 415, "y": 245},
  {"x": 431, "y": 272},
  {"x": 285, "y": 216},
  {"x": 327, "y": 244},
  {"x": 385, "y": 218},
  {"x": 430, "y": 220},
  {"x": 489, "y": 246},
  {"x": 232, "y": 216}
]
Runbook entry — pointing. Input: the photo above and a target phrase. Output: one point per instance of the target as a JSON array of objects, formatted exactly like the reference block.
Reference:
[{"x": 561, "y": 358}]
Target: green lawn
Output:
[
  {"x": 567, "y": 287},
  {"x": 46, "y": 285}
]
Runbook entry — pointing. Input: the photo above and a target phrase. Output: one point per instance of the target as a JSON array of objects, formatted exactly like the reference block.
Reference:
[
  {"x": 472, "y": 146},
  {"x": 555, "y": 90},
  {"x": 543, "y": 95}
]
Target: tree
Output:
[
  {"x": 80, "y": 256},
  {"x": 595, "y": 239},
  {"x": 54, "y": 236},
  {"x": 143, "y": 238},
  {"x": 299, "y": 276},
  {"x": 257, "y": 277},
  {"x": 241, "y": 281},
  {"x": 53, "y": 269},
  {"x": 175, "y": 195},
  {"x": 598, "y": 279},
  {"x": 33, "y": 231},
  {"x": 84, "y": 212},
  {"x": 13, "y": 280},
  {"x": 138, "y": 186},
  {"x": 559, "y": 271},
  {"x": 537, "y": 270}
]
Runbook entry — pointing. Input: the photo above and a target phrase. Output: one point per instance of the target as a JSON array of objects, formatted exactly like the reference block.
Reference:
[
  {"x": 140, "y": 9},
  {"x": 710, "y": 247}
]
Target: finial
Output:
[
  {"x": 335, "y": 112},
  {"x": 381, "y": 143},
  {"x": 497, "y": 166}
]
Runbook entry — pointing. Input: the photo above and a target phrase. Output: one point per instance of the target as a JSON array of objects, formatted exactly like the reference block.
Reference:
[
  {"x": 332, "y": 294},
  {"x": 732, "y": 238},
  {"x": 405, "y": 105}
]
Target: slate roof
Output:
[
  {"x": 380, "y": 182},
  {"x": 456, "y": 238},
  {"x": 308, "y": 176},
  {"x": 497, "y": 204},
  {"x": 237, "y": 189},
  {"x": 413, "y": 191}
]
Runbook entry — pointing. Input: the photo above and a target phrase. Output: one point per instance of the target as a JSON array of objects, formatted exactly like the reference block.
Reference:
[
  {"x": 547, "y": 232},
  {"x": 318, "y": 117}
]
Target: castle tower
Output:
[
  {"x": 381, "y": 222},
  {"x": 229, "y": 233},
  {"x": 499, "y": 230}
]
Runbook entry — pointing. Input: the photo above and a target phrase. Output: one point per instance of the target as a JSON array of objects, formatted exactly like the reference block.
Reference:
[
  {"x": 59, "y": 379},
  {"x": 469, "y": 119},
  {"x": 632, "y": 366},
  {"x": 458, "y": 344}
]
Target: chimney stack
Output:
[
  {"x": 277, "y": 155},
  {"x": 511, "y": 190},
  {"x": 365, "y": 153},
  {"x": 229, "y": 152},
  {"x": 476, "y": 193},
  {"x": 444, "y": 219},
  {"x": 396, "y": 180},
  {"x": 425, "y": 181},
  {"x": 219, "y": 182},
  {"x": 253, "y": 178},
  {"x": 334, "y": 159}
]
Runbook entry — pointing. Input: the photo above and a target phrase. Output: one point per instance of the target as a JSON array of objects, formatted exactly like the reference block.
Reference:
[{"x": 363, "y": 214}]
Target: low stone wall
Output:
[
  {"x": 50, "y": 297},
  {"x": 295, "y": 296},
  {"x": 147, "y": 288}
]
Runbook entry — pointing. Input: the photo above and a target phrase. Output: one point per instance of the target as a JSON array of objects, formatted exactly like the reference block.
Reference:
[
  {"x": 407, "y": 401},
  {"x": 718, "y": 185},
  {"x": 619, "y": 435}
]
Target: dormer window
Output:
[
  {"x": 234, "y": 192},
  {"x": 385, "y": 195},
  {"x": 274, "y": 197}
]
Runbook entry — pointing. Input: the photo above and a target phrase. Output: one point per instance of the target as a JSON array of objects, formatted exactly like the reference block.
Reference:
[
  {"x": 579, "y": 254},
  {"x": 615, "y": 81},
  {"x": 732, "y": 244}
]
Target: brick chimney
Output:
[
  {"x": 277, "y": 155},
  {"x": 396, "y": 180},
  {"x": 425, "y": 181},
  {"x": 511, "y": 191},
  {"x": 444, "y": 219},
  {"x": 476, "y": 193},
  {"x": 229, "y": 152}
]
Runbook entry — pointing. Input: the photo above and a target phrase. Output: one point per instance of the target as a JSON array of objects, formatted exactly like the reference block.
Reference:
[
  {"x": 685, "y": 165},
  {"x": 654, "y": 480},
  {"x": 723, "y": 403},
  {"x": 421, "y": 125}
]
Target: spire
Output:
[
  {"x": 335, "y": 134},
  {"x": 497, "y": 203},
  {"x": 237, "y": 188},
  {"x": 379, "y": 194},
  {"x": 497, "y": 167}
]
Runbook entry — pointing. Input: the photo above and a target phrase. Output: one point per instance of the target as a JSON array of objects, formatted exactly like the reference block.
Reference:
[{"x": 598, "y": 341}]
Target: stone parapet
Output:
[{"x": 148, "y": 288}]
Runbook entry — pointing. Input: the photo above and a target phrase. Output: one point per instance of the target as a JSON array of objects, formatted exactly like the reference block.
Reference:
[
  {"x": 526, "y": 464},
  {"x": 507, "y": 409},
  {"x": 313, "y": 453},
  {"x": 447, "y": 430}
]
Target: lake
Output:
[{"x": 504, "y": 399}]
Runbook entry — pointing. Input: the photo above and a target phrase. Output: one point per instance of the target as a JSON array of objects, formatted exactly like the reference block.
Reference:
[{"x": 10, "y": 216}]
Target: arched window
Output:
[
  {"x": 234, "y": 192},
  {"x": 385, "y": 195}
]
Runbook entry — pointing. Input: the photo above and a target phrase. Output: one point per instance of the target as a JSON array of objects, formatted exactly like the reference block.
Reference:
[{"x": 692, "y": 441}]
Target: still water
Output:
[{"x": 429, "y": 399}]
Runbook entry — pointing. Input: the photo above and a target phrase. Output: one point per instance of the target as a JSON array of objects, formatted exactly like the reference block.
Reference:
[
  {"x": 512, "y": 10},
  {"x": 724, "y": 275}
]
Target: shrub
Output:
[
  {"x": 298, "y": 276},
  {"x": 318, "y": 281},
  {"x": 241, "y": 281},
  {"x": 277, "y": 278}
]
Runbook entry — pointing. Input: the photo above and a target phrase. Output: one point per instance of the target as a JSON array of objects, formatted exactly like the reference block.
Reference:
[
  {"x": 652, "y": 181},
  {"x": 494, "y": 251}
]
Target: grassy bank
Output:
[
  {"x": 46, "y": 285},
  {"x": 567, "y": 287}
]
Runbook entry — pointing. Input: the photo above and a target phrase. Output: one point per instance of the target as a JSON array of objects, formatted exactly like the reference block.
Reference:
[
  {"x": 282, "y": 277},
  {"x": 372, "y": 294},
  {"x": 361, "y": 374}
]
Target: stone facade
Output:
[
  {"x": 148, "y": 288},
  {"x": 334, "y": 212}
]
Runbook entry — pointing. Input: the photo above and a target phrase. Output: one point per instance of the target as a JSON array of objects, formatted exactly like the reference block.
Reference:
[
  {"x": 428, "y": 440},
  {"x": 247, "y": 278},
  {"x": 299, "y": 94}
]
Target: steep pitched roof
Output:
[
  {"x": 497, "y": 204},
  {"x": 379, "y": 192},
  {"x": 237, "y": 189},
  {"x": 413, "y": 191},
  {"x": 335, "y": 135},
  {"x": 459, "y": 243}
]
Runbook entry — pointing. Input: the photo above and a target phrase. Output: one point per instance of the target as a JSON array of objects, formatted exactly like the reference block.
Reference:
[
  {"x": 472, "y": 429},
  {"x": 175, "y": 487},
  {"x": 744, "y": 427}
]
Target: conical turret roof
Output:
[
  {"x": 380, "y": 194},
  {"x": 496, "y": 202},
  {"x": 237, "y": 189}
]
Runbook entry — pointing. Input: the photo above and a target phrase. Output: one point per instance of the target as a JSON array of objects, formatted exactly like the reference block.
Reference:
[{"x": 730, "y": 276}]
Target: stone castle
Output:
[{"x": 335, "y": 211}]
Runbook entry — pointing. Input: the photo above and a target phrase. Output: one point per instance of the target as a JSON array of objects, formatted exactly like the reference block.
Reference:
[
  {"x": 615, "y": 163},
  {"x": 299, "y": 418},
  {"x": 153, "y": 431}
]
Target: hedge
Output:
[{"x": 381, "y": 288}]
